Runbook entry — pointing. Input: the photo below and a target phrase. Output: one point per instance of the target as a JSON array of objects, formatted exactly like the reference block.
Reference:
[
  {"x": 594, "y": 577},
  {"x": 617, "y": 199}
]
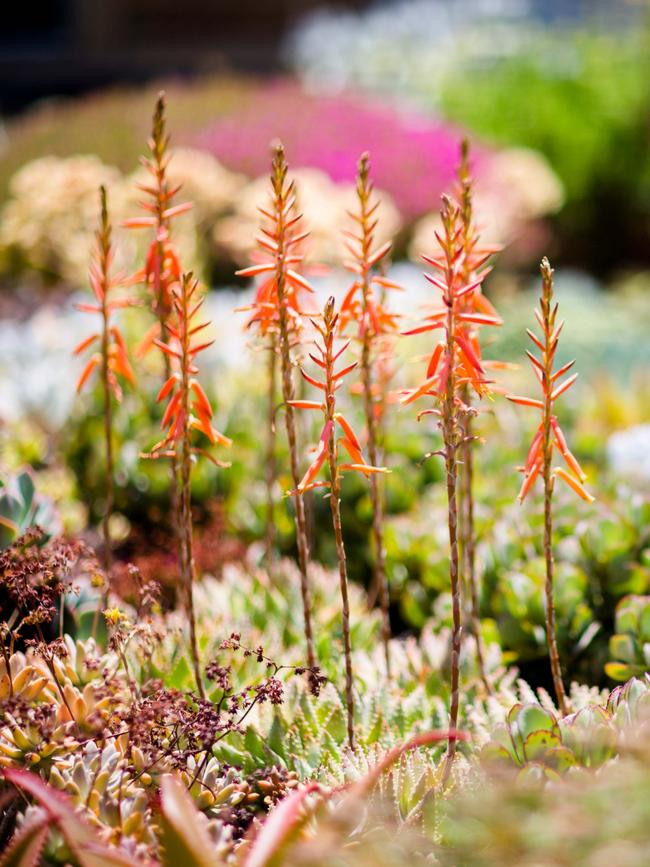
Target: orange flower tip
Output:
[
  {"x": 366, "y": 469},
  {"x": 564, "y": 386},
  {"x": 176, "y": 210},
  {"x": 84, "y": 344},
  {"x": 254, "y": 270},
  {"x": 525, "y": 401},
  {"x": 222, "y": 439},
  {"x": 574, "y": 484},
  {"x": 139, "y": 223},
  {"x": 305, "y": 404}
]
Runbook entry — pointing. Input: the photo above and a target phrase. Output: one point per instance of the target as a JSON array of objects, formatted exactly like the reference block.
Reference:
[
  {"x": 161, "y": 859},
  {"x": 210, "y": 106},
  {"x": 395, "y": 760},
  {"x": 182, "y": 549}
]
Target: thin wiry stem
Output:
[
  {"x": 335, "y": 506},
  {"x": 271, "y": 461},
  {"x": 450, "y": 435},
  {"x": 548, "y": 317},
  {"x": 468, "y": 539},
  {"x": 104, "y": 263},
  {"x": 186, "y": 528},
  {"x": 162, "y": 300},
  {"x": 466, "y": 525},
  {"x": 364, "y": 190},
  {"x": 282, "y": 196}
]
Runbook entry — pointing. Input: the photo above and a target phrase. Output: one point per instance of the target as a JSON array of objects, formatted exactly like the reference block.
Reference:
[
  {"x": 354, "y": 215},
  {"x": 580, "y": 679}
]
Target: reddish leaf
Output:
[{"x": 280, "y": 829}]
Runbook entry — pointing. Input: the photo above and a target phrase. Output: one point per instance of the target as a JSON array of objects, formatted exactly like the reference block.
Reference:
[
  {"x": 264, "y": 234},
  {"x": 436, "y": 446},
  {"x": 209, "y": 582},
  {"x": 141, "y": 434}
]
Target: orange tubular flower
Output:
[
  {"x": 363, "y": 304},
  {"x": 459, "y": 350},
  {"x": 162, "y": 269},
  {"x": 265, "y": 309},
  {"x": 552, "y": 386}
]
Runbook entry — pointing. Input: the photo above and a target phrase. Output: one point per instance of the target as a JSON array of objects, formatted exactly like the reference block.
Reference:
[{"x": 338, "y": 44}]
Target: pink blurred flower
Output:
[{"x": 414, "y": 157}]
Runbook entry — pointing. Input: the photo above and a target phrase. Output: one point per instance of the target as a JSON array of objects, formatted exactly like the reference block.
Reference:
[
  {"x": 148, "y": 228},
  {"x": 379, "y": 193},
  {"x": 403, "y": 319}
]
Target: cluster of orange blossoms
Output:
[
  {"x": 549, "y": 430},
  {"x": 464, "y": 309},
  {"x": 363, "y": 304},
  {"x": 112, "y": 344},
  {"x": 188, "y": 406},
  {"x": 162, "y": 268},
  {"x": 325, "y": 360},
  {"x": 279, "y": 252}
]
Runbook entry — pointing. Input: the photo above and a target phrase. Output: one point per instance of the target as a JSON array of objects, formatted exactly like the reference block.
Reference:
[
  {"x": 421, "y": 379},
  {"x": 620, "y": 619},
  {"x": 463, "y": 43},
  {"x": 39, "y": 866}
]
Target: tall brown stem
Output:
[
  {"x": 162, "y": 297},
  {"x": 364, "y": 190},
  {"x": 450, "y": 434},
  {"x": 335, "y": 506},
  {"x": 547, "y": 451},
  {"x": 105, "y": 246},
  {"x": 271, "y": 462},
  {"x": 186, "y": 530},
  {"x": 380, "y": 578},
  {"x": 467, "y": 528},
  {"x": 468, "y": 539},
  {"x": 282, "y": 194},
  {"x": 103, "y": 262}
]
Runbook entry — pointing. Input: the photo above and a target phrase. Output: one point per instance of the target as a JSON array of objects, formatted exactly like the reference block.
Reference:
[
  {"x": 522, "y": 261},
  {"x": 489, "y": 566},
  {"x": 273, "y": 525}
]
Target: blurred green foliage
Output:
[
  {"x": 630, "y": 645},
  {"x": 21, "y": 507},
  {"x": 582, "y": 98}
]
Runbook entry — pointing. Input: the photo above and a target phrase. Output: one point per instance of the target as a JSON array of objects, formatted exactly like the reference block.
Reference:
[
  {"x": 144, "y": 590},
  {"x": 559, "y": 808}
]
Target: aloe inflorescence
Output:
[
  {"x": 364, "y": 306},
  {"x": 110, "y": 358},
  {"x": 162, "y": 268},
  {"x": 454, "y": 367},
  {"x": 327, "y": 453},
  {"x": 548, "y": 438},
  {"x": 188, "y": 411},
  {"x": 277, "y": 306}
]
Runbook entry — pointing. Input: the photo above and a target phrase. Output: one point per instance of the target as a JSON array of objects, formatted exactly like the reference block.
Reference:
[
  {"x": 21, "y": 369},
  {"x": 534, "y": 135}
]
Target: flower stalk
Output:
[
  {"x": 277, "y": 309},
  {"x": 475, "y": 302},
  {"x": 188, "y": 409},
  {"x": 329, "y": 320},
  {"x": 162, "y": 269},
  {"x": 271, "y": 460},
  {"x": 548, "y": 437},
  {"x": 111, "y": 359},
  {"x": 454, "y": 365},
  {"x": 327, "y": 452},
  {"x": 363, "y": 307}
]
